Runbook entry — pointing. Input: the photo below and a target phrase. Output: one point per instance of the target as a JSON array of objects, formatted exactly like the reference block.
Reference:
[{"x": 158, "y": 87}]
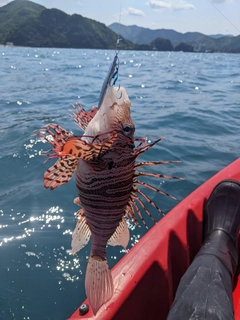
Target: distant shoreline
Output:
[
  {"x": 124, "y": 49},
  {"x": 28, "y": 24}
]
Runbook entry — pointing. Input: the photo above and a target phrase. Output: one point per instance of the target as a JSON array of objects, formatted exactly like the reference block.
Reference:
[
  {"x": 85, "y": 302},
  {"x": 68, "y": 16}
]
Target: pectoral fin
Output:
[
  {"x": 121, "y": 235},
  {"x": 78, "y": 148},
  {"x": 81, "y": 233},
  {"x": 60, "y": 173},
  {"x": 65, "y": 145}
]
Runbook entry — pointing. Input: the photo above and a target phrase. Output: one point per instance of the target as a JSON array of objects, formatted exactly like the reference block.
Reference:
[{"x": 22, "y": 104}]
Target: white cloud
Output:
[
  {"x": 80, "y": 2},
  {"x": 133, "y": 12},
  {"x": 170, "y": 4}
]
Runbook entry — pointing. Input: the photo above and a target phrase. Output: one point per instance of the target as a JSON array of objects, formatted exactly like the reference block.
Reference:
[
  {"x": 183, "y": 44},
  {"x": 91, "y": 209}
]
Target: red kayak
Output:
[{"x": 146, "y": 278}]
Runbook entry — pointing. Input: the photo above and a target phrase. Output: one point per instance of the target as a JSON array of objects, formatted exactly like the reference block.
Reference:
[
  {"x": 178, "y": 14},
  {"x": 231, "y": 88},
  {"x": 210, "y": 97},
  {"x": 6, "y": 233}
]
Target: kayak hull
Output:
[{"x": 146, "y": 278}]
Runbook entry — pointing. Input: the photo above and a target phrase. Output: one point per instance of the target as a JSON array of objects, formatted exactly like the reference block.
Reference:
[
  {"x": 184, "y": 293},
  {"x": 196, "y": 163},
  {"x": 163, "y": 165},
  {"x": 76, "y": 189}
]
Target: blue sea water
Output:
[{"x": 190, "y": 99}]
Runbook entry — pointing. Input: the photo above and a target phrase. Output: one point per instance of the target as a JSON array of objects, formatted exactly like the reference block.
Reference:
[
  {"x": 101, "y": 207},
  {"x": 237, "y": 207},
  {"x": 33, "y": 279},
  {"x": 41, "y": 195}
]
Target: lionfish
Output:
[{"x": 104, "y": 159}]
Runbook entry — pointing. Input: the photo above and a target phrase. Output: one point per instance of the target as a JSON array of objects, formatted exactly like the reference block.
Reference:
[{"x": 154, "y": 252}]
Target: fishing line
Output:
[
  {"x": 117, "y": 49},
  {"x": 118, "y": 39},
  {"x": 112, "y": 75},
  {"x": 223, "y": 15}
]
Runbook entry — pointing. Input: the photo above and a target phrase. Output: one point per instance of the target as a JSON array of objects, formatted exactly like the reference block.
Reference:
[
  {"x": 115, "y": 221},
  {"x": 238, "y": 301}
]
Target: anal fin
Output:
[
  {"x": 81, "y": 233},
  {"x": 121, "y": 235}
]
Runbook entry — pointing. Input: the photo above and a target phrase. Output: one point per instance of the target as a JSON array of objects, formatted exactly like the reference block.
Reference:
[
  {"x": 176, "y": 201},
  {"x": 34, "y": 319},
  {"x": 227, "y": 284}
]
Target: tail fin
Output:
[{"x": 98, "y": 283}]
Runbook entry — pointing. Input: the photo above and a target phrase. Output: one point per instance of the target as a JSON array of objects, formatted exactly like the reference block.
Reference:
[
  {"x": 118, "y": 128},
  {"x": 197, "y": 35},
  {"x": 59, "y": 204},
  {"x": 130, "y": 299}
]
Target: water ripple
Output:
[{"x": 189, "y": 99}]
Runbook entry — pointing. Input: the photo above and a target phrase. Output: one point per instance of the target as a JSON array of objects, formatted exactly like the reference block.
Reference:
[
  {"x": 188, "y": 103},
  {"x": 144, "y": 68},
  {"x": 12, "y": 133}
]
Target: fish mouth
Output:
[{"x": 114, "y": 114}]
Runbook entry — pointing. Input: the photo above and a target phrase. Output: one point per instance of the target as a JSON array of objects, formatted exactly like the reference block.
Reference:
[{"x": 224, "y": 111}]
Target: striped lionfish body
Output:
[{"x": 104, "y": 160}]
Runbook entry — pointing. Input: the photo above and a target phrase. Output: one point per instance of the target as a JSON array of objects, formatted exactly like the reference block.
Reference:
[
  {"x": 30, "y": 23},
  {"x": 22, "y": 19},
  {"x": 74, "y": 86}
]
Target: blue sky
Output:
[{"x": 204, "y": 16}]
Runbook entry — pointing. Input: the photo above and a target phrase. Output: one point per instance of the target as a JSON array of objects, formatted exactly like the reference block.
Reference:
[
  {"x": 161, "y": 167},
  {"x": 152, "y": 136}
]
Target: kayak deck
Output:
[{"x": 146, "y": 278}]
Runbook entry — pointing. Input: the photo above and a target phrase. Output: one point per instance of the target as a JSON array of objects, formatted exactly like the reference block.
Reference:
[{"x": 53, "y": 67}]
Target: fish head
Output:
[{"x": 114, "y": 114}]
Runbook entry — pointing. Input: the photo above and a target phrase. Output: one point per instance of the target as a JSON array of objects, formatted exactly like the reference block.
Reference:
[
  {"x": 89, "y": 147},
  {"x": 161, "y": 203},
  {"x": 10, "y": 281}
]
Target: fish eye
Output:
[{"x": 128, "y": 129}]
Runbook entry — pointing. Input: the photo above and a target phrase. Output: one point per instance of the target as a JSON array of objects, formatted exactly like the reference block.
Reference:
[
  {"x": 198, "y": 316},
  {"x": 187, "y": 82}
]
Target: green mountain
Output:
[
  {"x": 198, "y": 41},
  {"x": 16, "y": 13},
  {"x": 160, "y": 44},
  {"x": 142, "y": 35},
  {"x": 26, "y": 23}
]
